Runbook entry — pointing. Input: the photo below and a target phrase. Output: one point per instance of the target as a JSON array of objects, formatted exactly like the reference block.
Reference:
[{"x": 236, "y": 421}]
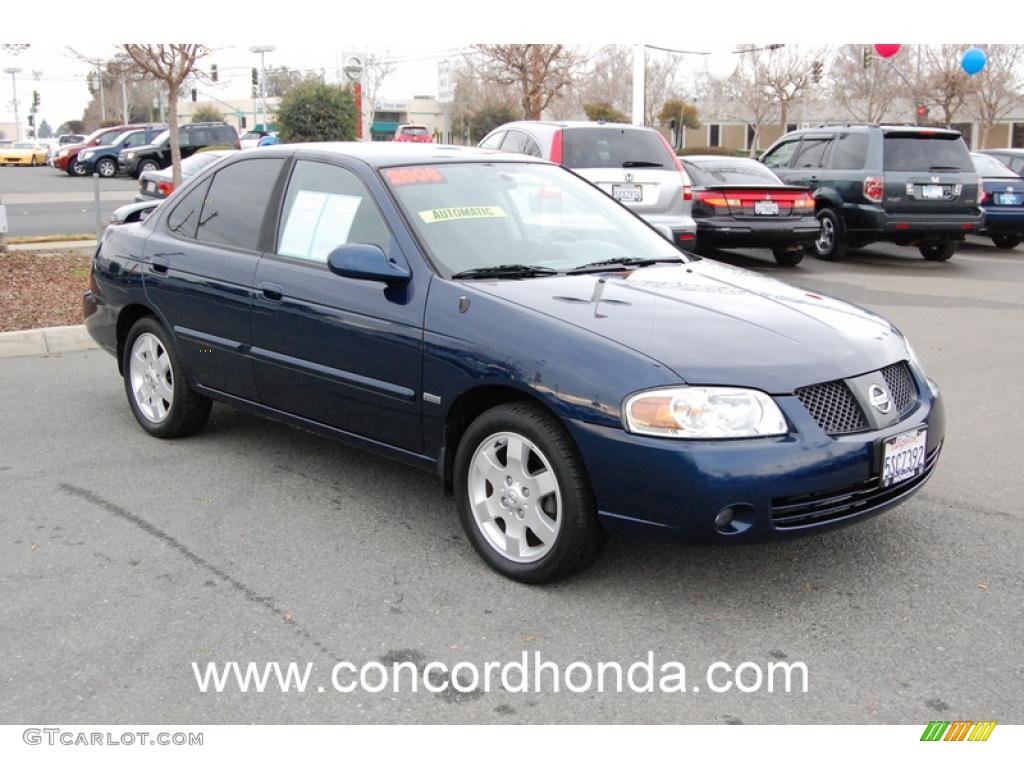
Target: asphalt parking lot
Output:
[{"x": 123, "y": 558}]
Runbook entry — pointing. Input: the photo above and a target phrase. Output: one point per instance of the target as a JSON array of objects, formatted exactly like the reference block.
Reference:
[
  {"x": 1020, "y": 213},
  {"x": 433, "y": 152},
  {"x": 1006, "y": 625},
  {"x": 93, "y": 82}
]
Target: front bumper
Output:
[{"x": 777, "y": 487}]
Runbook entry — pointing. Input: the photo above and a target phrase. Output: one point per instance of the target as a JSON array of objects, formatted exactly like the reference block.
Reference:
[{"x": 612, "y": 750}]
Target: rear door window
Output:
[
  {"x": 849, "y": 152},
  {"x": 237, "y": 203},
  {"x": 925, "y": 152},
  {"x": 614, "y": 148}
]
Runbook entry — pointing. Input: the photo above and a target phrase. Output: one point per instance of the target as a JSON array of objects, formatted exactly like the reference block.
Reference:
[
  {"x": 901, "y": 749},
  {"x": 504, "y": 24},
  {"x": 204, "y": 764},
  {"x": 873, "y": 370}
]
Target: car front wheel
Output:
[
  {"x": 523, "y": 495},
  {"x": 831, "y": 242},
  {"x": 164, "y": 403},
  {"x": 106, "y": 168}
]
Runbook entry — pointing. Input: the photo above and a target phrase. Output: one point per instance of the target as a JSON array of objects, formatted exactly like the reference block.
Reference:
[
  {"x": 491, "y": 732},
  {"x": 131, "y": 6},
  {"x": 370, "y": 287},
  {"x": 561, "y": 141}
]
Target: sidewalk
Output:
[
  {"x": 45, "y": 341},
  {"x": 56, "y": 245}
]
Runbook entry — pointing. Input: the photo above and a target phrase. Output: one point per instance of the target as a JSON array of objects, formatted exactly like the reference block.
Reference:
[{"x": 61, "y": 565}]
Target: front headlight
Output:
[
  {"x": 62, "y": 153},
  {"x": 703, "y": 413},
  {"x": 87, "y": 155},
  {"x": 129, "y": 155},
  {"x": 912, "y": 356}
]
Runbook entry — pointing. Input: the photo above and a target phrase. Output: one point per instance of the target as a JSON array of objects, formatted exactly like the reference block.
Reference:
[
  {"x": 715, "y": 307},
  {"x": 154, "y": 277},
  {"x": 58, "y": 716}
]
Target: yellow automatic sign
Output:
[{"x": 468, "y": 212}]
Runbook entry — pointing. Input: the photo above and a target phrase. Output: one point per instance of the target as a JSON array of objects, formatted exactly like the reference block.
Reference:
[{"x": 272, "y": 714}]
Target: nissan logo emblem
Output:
[{"x": 879, "y": 398}]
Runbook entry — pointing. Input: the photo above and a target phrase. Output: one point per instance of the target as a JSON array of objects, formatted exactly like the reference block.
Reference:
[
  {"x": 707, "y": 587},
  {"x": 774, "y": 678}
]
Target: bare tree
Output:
[
  {"x": 785, "y": 74},
  {"x": 540, "y": 71},
  {"x": 474, "y": 90},
  {"x": 171, "y": 64},
  {"x": 606, "y": 81},
  {"x": 376, "y": 70},
  {"x": 865, "y": 93},
  {"x": 659, "y": 84},
  {"x": 998, "y": 87},
  {"x": 743, "y": 96},
  {"x": 941, "y": 81}
]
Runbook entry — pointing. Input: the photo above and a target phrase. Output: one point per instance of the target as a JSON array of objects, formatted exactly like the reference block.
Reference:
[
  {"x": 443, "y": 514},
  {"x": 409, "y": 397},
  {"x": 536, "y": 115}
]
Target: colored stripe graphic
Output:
[
  {"x": 982, "y": 730},
  {"x": 958, "y": 730},
  {"x": 934, "y": 730}
]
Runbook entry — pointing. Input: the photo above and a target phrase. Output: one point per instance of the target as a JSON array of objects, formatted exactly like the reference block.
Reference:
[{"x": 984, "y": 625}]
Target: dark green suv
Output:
[
  {"x": 192, "y": 137},
  {"x": 903, "y": 184}
]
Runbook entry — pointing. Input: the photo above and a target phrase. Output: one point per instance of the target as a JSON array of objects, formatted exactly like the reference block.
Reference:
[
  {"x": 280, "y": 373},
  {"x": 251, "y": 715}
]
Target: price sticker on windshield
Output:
[
  {"x": 468, "y": 212},
  {"x": 403, "y": 177}
]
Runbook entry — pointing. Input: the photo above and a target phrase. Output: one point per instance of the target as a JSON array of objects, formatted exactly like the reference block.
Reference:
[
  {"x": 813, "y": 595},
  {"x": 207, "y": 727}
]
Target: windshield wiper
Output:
[
  {"x": 504, "y": 270},
  {"x": 641, "y": 164},
  {"x": 629, "y": 262}
]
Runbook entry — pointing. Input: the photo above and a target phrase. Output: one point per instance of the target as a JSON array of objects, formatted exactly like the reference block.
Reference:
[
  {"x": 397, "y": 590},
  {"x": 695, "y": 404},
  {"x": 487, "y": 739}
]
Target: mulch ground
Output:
[{"x": 42, "y": 288}]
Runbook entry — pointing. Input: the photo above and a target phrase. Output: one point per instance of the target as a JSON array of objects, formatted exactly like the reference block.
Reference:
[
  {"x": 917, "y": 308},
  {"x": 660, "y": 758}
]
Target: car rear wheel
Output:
[
  {"x": 1006, "y": 241},
  {"x": 164, "y": 403},
  {"x": 938, "y": 251},
  {"x": 107, "y": 167},
  {"x": 788, "y": 257},
  {"x": 831, "y": 243},
  {"x": 523, "y": 496}
]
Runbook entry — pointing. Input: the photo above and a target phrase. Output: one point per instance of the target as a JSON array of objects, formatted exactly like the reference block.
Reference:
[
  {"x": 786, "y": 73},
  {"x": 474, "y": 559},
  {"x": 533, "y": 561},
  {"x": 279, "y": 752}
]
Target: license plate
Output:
[
  {"x": 628, "y": 193},
  {"x": 151, "y": 186},
  {"x": 903, "y": 456},
  {"x": 766, "y": 208},
  {"x": 1009, "y": 199},
  {"x": 931, "y": 191}
]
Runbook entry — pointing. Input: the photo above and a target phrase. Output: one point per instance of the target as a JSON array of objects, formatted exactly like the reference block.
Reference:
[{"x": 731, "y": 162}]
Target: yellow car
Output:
[{"x": 23, "y": 153}]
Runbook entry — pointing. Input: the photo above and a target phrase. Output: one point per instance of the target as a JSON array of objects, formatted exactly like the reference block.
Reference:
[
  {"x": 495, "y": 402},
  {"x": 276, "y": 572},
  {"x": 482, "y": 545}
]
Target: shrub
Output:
[{"x": 314, "y": 111}]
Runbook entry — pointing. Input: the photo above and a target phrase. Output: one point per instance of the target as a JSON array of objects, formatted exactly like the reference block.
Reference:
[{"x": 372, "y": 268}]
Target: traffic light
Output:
[
  {"x": 213, "y": 72},
  {"x": 243, "y": 121},
  {"x": 35, "y": 99},
  {"x": 194, "y": 94},
  {"x": 255, "y": 76},
  {"x": 816, "y": 69},
  {"x": 32, "y": 120},
  {"x": 922, "y": 111},
  {"x": 867, "y": 58}
]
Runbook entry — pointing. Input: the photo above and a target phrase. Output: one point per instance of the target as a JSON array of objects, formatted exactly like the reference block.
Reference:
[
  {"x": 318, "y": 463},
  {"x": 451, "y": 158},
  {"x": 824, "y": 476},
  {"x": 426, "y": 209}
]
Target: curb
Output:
[
  {"x": 55, "y": 245},
  {"x": 43, "y": 342}
]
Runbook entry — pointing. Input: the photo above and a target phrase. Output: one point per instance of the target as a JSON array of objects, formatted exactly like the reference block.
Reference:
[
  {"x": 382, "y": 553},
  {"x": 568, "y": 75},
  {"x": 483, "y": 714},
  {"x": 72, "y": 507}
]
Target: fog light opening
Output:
[{"x": 734, "y": 519}]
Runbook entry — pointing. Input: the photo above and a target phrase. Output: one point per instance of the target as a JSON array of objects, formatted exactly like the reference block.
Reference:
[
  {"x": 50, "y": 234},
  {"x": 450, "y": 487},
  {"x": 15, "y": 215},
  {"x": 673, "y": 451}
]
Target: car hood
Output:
[{"x": 716, "y": 324}]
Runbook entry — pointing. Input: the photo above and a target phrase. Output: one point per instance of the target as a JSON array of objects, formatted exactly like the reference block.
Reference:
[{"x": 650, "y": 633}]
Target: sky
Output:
[{"x": 420, "y": 34}]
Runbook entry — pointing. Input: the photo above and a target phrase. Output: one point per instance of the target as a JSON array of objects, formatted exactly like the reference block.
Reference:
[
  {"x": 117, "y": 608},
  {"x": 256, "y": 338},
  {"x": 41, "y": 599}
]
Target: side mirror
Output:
[
  {"x": 665, "y": 231},
  {"x": 359, "y": 261}
]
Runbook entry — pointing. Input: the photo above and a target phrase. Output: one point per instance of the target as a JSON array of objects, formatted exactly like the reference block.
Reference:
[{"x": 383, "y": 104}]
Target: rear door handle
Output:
[{"x": 271, "y": 291}]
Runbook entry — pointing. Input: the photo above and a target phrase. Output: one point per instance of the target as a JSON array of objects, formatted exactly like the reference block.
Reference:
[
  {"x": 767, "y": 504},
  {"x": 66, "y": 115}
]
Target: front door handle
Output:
[
  {"x": 159, "y": 264},
  {"x": 271, "y": 291}
]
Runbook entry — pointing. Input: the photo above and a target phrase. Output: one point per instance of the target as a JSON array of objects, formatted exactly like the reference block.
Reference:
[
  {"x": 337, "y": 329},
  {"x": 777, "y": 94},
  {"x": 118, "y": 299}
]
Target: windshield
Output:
[
  {"x": 23, "y": 145},
  {"x": 480, "y": 215},
  {"x": 611, "y": 148},
  {"x": 414, "y": 130},
  {"x": 989, "y": 166},
  {"x": 109, "y": 138},
  {"x": 162, "y": 137},
  {"x": 730, "y": 172},
  {"x": 925, "y": 152}
]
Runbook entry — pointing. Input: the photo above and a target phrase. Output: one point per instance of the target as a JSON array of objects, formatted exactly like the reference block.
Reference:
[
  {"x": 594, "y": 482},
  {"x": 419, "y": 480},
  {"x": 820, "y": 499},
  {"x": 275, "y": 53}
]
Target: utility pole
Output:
[
  {"x": 262, "y": 50},
  {"x": 638, "y": 83},
  {"x": 13, "y": 72}
]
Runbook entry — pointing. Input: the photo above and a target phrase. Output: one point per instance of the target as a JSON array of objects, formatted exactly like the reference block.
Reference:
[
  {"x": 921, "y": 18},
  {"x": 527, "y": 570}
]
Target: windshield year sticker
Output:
[{"x": 454, "y": 214}]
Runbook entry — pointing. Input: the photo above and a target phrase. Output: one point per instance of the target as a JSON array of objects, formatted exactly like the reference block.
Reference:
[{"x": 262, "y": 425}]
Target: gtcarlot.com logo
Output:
[{"x": 958, "y": 730}]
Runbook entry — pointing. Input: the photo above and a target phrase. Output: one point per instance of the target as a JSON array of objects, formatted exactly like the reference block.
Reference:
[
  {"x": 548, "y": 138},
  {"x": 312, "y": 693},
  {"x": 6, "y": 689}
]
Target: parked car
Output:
[
  {"x": 738, "y": 203},
  {"x": 251, "y": 139},
  {"x": 192, "y": 137},
  {"x": 634, "y": 165},
  {"x": 102, "y": 159},
  {"x": 4, "y": 143},
  {"x": 497, "y": 320},
  {"x": 902, "y": 184},
  {"x": 1003, "y": 201},
  {"x": 1014, "y": 158},
  {"x": 157, "y": 185},
  {"x": 70, "y": 138},
  {"x": 67, "y": 156},
  {"x": 415, "y": 133},
  {"x": 23, "y": 153}
]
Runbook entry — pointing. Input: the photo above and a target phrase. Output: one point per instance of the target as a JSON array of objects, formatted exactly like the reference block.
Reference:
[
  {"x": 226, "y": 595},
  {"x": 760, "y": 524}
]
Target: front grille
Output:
[
  {"x": 790, "y": 512},
  {"x": 832, "y": 406},
  {"x": 901, "y": 387}
]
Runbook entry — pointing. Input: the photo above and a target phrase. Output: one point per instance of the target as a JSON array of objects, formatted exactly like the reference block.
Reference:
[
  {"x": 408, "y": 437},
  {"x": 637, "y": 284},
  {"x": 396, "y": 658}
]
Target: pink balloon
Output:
[{"x": 887, "y": 50}]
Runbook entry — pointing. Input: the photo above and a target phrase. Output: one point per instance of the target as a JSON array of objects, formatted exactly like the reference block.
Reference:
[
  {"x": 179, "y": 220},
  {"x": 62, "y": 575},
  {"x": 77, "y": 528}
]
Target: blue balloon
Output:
[{"x": 974, "y": 61}]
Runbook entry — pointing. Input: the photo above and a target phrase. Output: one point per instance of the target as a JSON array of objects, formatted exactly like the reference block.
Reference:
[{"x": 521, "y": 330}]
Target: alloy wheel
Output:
[{"x": 152, "y": 379}]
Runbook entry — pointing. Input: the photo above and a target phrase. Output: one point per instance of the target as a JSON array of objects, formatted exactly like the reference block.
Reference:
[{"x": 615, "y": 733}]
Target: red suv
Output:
[
  {"x": 417, "y": 133},
  {"x": 67, "y": 157}
]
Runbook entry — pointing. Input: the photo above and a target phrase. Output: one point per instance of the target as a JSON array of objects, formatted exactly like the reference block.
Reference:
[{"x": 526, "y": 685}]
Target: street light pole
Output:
[
  {"x": 13, "y": 71},
  {"x": 262, "y": 50}
]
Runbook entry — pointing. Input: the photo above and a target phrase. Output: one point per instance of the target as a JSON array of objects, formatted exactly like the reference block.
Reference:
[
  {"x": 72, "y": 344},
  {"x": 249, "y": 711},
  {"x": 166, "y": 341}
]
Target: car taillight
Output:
[
  {"x": 556, "y": 147},
  {"x": 983, "y": 196},
  {"x": 238, "y": 144},
  {"x": 165, "y": 188},
  {"x": 717, "y": 200},
  {"x": 874, "y": 188},
  {"x": 687, "y": 192},
  {"x": 804, "y": 201}
]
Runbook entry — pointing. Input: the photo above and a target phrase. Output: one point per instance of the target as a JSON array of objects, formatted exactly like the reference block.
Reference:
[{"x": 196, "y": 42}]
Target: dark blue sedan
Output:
[
  {"x": 501, "y": 322},
  {"x": 1002, "y": 201}
]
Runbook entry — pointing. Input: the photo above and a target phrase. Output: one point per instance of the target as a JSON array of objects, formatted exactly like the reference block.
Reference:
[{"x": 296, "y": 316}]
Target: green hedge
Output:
[{"x": 712, "y": 151}]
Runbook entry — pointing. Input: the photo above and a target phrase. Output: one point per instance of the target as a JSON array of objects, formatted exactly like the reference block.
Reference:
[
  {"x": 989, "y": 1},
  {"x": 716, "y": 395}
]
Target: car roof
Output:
[
  {"x": 698, "y": 159},
  {"x": 1002, "y": 150},
  {"x": 386, "y": 153},
  {"x": 574, "y": 124}
]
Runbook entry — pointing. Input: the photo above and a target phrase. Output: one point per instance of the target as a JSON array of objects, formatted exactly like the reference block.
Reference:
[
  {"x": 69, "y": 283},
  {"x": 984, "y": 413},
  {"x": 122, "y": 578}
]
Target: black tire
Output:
[
  {"x": 146, "y": 165},
  {"x": 187, "y": 411},
  {"x": 787, "y": 257},
  {"x": 106, "y": 167},
  {"x": 75, "y": 168},
  {"x": 831, "y": 244},
  {"x": 579, "y": 536},
  {"x": 939, "y": 251},
  {"x": 1007, "y": 241}
]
